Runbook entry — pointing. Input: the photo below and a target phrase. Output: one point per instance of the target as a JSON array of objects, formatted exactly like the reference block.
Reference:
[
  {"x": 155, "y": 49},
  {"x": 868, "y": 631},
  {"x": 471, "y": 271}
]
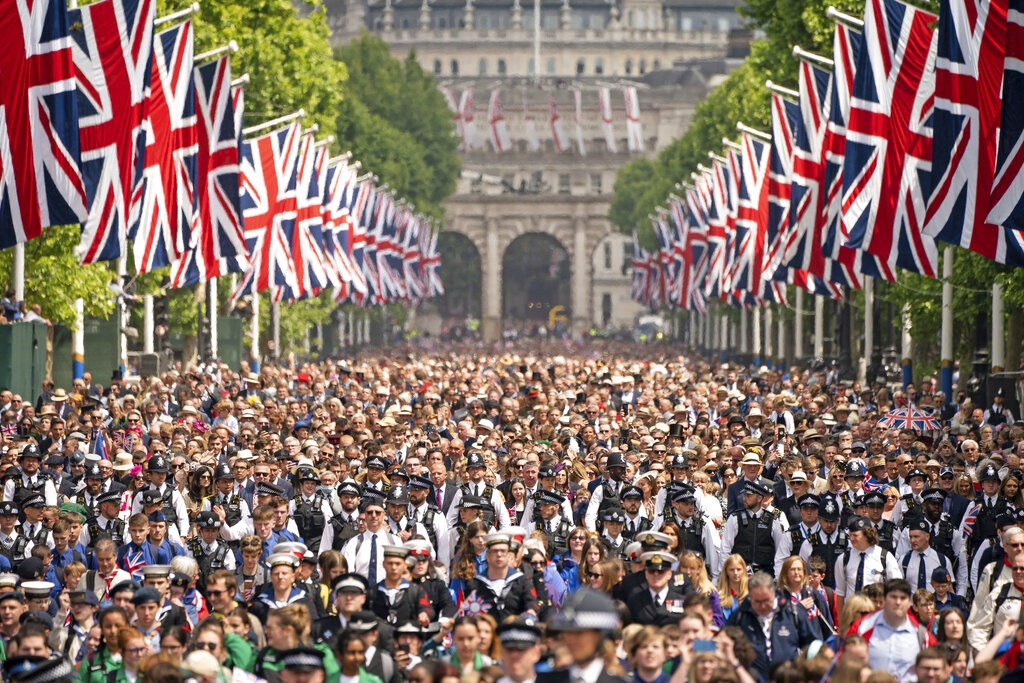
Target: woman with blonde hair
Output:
[
  {"x": 792, "y": 584},
  {"x": 856, "y": 607},
  {"x": 732, "y": 583},
  {"x": 489, "y": 645},
  {"x": 694, "y": 567}
]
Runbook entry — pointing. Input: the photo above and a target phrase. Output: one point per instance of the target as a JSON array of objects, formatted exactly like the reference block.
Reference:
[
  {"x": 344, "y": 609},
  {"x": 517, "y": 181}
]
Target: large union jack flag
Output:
[
  {"x": 785, "y": 114},
  {"x": 972, "y": 47},
  {"x": 164, "y": 208},
  {"x": 113, "y": 54},
  {"x": 339, "y": 225},
  {"x": 846, "y": 46},
  {"x": 40, "y": 179},
  {"x": 1007, "y": 202},
  {"x": 752, "y": 223},
  {"x": 219, "y": 242},
  {"x": 306, "y": 237},
  {"x": 269, "y": 208},
  {"x": 889, "y": 138},
  {"x": 696, "y": 249}
]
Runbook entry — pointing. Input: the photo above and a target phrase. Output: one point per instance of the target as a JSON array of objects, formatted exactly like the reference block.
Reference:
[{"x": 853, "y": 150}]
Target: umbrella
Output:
[{"x": 908, "y": 418}]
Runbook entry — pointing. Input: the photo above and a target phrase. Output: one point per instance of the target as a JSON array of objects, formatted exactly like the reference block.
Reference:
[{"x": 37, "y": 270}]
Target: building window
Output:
[
  {"x": 656, "y": 65},
  {"x": 607, "y": 255},
  {"x": 595, "y": 185},
  {"x": 723, "y": 25},
  {"x": 643, "y": 67},
  {"x": 530, "y": 67},
  {"x": 483, "y": 67},
  {"x": 564, "y": 183},
  {"x": 437, "y": 67},
  {"x": 627, "y": 256},
  {"x": 598, "y": 66},
  {"x": 581, "y": 66},
  {"x": 502, "y": 69},
  {"x": 606, "y": 309},
  {"x": 551, "y": 66},
  {"x": 629, "y": 67},
  {"x": 455, "y": 67},
  {"x": 640, "y": 19},
  {"x": 686, "y": 23},
  {"x": 442, "y": 23}
]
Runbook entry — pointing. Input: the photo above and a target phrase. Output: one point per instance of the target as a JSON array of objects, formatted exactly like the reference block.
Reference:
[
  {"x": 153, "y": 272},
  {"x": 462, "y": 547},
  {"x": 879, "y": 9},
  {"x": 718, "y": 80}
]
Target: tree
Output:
[{"x": 54, "y": 278}]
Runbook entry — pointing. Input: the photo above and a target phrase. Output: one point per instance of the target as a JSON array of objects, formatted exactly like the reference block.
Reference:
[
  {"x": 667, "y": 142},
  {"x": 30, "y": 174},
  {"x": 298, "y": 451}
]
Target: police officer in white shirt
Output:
[
  {"x": 865, "y": 562},
  {"x": 364, "y": 553}
]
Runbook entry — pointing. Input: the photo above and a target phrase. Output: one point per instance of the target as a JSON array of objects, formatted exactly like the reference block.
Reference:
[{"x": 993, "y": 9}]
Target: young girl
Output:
[{"x": 732, "y": 584}]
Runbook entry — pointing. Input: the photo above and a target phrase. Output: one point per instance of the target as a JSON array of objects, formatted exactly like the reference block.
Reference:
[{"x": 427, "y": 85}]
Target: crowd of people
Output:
[{"x": 589, "y": 514}]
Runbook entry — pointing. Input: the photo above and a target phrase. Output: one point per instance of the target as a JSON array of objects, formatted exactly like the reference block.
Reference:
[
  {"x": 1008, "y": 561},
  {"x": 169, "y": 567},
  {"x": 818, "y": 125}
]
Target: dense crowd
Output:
[{"x": 514, "y": 516}]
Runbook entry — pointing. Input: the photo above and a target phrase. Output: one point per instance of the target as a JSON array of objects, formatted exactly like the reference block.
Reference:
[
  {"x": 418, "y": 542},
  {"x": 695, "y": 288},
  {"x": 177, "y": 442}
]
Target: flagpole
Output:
[
  {"x": 812, "y": 57},
  {"x": 756, "y": 339},
  {"x": 240, "y": 81},
  {"x": 18, "y": 271},
  {"x": 798, "y": 327},
  {"x": 907, "y": 340},
  {"x": 279, "y": 121},
  {"x": 231, "y": 47},
  {"x": 180, "y": 14},
  {"x": 946, "y": 366},
  {"x": 744, "y": 128},
  {"x": 819, "y": 327},
  {"x": 779, "y": 90},
  {"x": 835, "y": 15},
  {"x": 996, "y": 362},
  {"x": 254, "y": 333},
  {"x": 869, "y": 328}
]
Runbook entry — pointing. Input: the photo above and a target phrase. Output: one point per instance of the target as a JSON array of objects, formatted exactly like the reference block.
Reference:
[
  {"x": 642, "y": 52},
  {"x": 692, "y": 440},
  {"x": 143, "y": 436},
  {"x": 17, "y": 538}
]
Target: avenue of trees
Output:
[
  {"x": 386, "y": 111},
  {"x": 645, "y": 184}
]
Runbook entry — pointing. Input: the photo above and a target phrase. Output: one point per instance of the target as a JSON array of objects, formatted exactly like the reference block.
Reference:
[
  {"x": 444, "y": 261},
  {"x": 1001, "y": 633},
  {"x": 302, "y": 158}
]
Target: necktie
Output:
[
  {"x": 630, "y": 526},
  {"x": 548, "y": 525},
  {"x": 371, "y": 572},
  {"x": 657, "y": 601},
  {"x": 860, "y": 571},
  {"x": 437, "y": 496},
  {"x": 921, "y": 582},
  {"x": 413, "y": 517}
]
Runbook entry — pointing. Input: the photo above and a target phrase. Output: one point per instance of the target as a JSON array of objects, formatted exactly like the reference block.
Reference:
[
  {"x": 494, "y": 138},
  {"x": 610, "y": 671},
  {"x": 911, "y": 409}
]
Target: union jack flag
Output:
[
  {"x": 337, "y": 224},
  {"x": 306, "y": 237},
  {"x": 113, "y": 55},
  {"x": 9, "y": 428},
  {"x": 220, "y": 244},
  {"x": 327, "y": 239},
  {"x": 164, "y": 208},
  {"x": 889, "y": 139},
  {"x": 806, "y": 218},
  {"x": 696, "y": 248},
  {"x": 40, "y": 180},
  {"x": 641, "y": 273},
  {"x": 785, "y": 114},
  {"x": 973, "y": 43},
  {"x": 411, "y": 259},
  {"x": 1007, "y": 208},
  {"x": 430, "y": 263},
  {"x": 133, "y": 563},
  {"x": 752, "y": 223},
  {"x": 717, "y": 230},
  {"x": 846, "y": 46},
  {"x": 269, "y": 208}
]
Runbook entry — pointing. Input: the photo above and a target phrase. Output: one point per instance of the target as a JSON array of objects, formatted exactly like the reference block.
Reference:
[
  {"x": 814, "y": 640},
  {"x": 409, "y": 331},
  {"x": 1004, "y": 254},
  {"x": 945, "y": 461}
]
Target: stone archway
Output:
[
  {"x": 536, "y": 278},
  {"x": 462, "y": 274}
]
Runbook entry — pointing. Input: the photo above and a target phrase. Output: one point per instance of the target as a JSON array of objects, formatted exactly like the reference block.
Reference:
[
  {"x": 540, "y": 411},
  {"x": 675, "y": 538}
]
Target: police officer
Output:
[
  {"x": 173, "y": 504},
  {"x": 636, "y": 514},
  {"x": 657, "y": 601},
  {"x": 753, "y": 533},
  {"x": 545, "y": 482},
  {"x": 807, "y": 525},
  {"x": 591, "y": 617},
  {"x": 551, "y": 522},
  {"x": 607, "y": 493},
  {"x": 107, "y": 523},
  {"x": 946, "y": 539},
  {"x": 698, "y": 534},
  {"x": 311, "y": 509},
  {"x": 520, "y": 650},
  {"x": 30, "y": 479},
  {"x": 830, "y": 541},
  {"x": 87, "y": 496},
  {"x": 423, "y": 512},
  {"x": 497, "y": 513},
  {"x": 612, "y": 521},
  {"x": 209, "y": 552},
  {"x": 397, "y": 507},
  {"x": 909, "y": 505},
  {"x": 987, "y": 506},
  {"x": 345, "y": 524},
  {"x": 873, "y": 504}
]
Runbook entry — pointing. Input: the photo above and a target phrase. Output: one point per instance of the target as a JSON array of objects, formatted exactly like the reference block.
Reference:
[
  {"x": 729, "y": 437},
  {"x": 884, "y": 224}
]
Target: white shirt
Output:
[
  {"x": 357, "y": 551},
  {"x": 875, "y": 558},
  {"x": 587, "y": 674}
]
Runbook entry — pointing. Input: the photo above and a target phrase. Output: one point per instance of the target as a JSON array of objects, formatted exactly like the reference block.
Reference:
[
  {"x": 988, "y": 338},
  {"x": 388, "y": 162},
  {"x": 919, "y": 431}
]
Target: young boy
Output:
[
  {"x": 137, "y": 553},
  {"x": 923, "y": 605},
  {"x": 942, "y": 586},
  {"x": 815, "y": 576},
  {"x": 163, "y": 550}
]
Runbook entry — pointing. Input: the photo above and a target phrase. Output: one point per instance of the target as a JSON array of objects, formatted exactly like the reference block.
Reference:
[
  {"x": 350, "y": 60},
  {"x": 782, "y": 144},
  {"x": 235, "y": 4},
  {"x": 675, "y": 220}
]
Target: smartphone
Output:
[
  {"x": 705, "y": 646},
  {"x": 403, "y": 647}
]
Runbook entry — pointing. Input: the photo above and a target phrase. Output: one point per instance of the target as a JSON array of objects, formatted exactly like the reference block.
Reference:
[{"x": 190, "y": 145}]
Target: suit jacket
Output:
[
  {"x": 446, "y": 497},
  {"x": 247, "y": 493},
  {"x": 791, "y": 630},
  {"x": 957, "y": 508},
  {"x": 286, "y": 487},
  {"x": 643, "y": 610},
  {"x": 562, "y": 676}
]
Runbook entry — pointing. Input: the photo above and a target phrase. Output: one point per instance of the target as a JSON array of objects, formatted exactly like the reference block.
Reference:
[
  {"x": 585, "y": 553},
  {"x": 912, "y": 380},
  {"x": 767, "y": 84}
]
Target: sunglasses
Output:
[
  {"x": 595, "y": 575},
  {"x": 200, "y": 645},
  {"x": 252, "y": 544}
]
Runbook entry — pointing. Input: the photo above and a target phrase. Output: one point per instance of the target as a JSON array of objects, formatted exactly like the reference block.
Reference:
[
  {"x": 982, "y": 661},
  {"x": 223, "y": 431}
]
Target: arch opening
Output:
[{"x": 535, "y": 279}]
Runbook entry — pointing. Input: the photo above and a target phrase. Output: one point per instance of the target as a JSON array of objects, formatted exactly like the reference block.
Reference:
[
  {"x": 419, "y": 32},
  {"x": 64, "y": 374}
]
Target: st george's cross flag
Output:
[
  {"x": 113, "y": 55},
  {"x": 40, "y": 180}
]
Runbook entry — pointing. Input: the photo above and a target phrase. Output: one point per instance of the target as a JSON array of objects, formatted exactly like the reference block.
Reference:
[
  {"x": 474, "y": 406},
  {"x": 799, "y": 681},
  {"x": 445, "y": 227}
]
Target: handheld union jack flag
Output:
[
  {"x": 269, "y": 208},
  {"x": 888, "y": 152},
  {"x": 220, "y": 244},
  {"x": 113, "y": 56},
  {"x": 40, "y": 180},
  {"x": 164, "y": 208},
  {"x": 973, "y": 43}
]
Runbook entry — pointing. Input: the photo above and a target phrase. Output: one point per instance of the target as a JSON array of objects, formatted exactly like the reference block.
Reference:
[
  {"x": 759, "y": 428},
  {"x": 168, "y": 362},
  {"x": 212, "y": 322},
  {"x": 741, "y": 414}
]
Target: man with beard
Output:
[
  {"x": 429, "y": 517},
  {"x": 754, "y": 533},
  {"x": 636, "y": 515},
  {"x": 607, "y": 494},
  {"x": 345, "y": 524}
]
